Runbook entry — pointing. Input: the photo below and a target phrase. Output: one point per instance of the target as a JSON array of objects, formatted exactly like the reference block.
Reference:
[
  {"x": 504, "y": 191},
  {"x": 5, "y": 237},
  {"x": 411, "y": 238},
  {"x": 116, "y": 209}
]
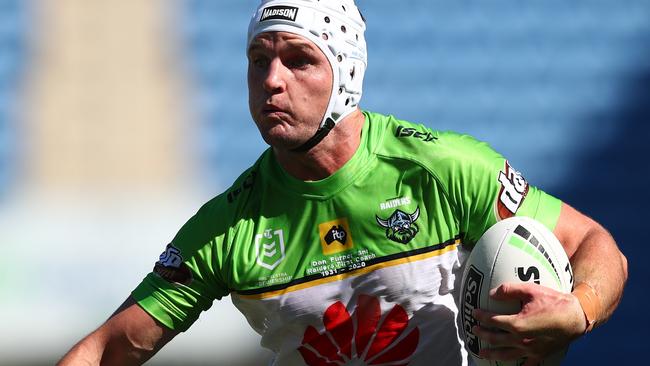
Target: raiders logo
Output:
[{"x": 400, "y": 226}]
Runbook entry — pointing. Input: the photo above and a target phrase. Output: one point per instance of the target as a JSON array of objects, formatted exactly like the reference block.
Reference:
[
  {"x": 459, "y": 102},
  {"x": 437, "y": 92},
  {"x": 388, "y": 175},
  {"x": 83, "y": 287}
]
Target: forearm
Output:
[
  {"x": 100, "y": 349},
  {"x": 88, "y": 351},
  {"x": 598, "y": 262},
  {"x": 129, "y": 337}
]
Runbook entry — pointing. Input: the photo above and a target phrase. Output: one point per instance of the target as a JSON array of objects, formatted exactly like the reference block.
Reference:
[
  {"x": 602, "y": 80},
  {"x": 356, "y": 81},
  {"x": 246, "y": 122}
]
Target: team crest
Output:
[
  {"x": 269, "y": 248},
  {"x": 400, "y": 226}
]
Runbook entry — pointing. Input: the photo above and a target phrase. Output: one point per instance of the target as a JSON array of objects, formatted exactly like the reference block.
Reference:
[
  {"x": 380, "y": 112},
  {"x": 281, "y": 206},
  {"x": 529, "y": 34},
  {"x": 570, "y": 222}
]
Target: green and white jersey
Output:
[{"x": 362, "y": 267}]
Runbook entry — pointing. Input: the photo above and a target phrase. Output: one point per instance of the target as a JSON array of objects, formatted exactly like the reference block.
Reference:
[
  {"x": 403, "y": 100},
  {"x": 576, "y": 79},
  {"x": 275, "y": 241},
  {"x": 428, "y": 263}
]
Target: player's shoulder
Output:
[
  {"x": 237, "y": 197},
  {"x": 420, "y": 143}
]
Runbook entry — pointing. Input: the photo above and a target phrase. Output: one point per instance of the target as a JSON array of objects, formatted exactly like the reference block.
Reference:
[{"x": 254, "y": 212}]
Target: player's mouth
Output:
[{"x": 273, "y": 111}]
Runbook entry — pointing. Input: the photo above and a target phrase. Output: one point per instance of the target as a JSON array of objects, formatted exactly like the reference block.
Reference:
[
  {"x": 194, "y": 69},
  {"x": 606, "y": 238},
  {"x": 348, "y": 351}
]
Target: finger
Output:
[
  {"x": 502, "y": 354},
  {"x": 513, "y": 291},
  {"x": 491, "y": 320},
  {"x": 497, "y": 338}
]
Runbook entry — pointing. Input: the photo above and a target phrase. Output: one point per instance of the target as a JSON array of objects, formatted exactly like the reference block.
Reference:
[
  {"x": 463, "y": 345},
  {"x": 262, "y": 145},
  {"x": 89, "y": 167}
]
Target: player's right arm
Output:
[
  {"x": 185, "y": 281},
  {"x": 129, "y": 337}
]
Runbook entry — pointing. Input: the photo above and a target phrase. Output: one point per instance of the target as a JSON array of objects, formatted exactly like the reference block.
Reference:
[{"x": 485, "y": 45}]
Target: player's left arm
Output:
[
  {"x": 596, "y": 260},
  {"x": 550, "y": 320}
]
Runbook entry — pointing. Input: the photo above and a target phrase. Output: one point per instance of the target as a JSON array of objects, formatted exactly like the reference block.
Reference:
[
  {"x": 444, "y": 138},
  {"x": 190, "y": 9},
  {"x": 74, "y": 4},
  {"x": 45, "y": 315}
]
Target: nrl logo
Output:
[
  {"x": 400, "y": 226},
  {"x": 269, "y": 248}
]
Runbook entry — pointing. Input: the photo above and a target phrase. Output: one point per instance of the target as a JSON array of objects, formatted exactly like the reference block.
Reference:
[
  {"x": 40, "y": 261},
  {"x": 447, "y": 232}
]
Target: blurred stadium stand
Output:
[{"x": 562, "y": 89}]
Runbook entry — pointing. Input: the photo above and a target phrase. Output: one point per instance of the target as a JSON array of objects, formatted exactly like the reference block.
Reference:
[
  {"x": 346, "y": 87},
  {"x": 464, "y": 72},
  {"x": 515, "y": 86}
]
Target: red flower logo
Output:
[{"x": 372, "y": 344}]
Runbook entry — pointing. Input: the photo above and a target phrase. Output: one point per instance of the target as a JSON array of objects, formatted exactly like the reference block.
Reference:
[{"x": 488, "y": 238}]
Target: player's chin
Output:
[
  {"x": 272, "y": 123},
  {"x": 280, "y": 136}
]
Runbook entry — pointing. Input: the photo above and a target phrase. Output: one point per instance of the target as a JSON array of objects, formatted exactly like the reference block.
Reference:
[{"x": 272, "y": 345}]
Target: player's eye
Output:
[
  {"x": 299, "y": 62},
  {"x": 259, "y": 62}
]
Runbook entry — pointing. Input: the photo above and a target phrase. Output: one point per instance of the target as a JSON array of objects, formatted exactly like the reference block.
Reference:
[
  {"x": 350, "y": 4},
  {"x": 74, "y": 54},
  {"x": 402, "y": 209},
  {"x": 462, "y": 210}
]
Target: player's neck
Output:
[{"x": 329, "y": 155}]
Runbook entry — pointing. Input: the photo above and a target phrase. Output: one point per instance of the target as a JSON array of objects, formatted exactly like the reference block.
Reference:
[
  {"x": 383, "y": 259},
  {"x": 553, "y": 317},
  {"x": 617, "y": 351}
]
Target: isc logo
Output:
[
  {"x": 412, "y": 132},
  {"x": 247, "y": 184}
]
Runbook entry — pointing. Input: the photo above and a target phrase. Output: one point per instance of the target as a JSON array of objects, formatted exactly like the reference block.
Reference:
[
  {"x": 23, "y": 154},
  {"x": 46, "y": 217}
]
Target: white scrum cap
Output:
[{"x": 337, "y": 28}]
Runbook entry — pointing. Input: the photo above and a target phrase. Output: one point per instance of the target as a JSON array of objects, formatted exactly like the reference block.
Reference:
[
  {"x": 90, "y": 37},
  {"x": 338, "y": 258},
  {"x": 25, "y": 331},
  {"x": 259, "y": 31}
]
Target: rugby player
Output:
[{"x": 345, "y": 241}]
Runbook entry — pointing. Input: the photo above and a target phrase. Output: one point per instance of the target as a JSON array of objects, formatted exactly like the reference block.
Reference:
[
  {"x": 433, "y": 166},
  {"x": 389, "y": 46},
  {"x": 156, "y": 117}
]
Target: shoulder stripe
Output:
[{"x": 372, "y": 265}]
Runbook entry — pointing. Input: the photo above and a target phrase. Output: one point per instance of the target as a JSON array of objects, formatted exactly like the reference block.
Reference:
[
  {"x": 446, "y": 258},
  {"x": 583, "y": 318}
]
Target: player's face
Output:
[{"x": 289, "y": 87}]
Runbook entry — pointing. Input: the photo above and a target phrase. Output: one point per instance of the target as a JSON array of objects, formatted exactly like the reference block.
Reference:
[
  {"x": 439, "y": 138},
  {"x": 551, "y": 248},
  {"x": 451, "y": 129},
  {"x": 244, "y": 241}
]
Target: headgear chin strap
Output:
[{"x": 337, "y": 28}]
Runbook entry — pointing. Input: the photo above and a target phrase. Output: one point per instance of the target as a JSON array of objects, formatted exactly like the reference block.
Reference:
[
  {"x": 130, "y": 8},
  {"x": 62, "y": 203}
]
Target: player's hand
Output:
[{"x": 548, "y": 321}]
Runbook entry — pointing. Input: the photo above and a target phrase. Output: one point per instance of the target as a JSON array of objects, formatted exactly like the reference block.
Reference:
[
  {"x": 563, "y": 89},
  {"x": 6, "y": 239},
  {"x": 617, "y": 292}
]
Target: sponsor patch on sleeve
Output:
[
  {"x": 514, "y": 189},
  {"x": 171, "y": 268}
]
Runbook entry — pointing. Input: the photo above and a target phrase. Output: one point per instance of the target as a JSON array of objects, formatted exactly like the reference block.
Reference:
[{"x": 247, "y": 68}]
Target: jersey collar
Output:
[{"x": 327, "y": 187}]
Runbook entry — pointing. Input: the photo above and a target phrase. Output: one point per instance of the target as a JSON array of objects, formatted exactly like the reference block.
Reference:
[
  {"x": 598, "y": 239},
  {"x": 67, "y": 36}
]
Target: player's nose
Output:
[{"x": 274, "y": 81}]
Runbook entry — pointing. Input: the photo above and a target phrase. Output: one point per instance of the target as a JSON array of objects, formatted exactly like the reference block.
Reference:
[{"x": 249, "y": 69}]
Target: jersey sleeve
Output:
[
  {"x": 187, "y": 278},
  {"x": 485, "y": 188}
]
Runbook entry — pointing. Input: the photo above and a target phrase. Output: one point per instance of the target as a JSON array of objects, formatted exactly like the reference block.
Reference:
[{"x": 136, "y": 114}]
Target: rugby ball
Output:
[{"x": 518, "y": 249}]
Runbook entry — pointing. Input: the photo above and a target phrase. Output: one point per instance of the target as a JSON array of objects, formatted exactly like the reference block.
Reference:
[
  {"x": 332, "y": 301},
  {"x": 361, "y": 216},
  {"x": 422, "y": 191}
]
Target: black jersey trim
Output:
[{"x": 344, "y": 271}]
